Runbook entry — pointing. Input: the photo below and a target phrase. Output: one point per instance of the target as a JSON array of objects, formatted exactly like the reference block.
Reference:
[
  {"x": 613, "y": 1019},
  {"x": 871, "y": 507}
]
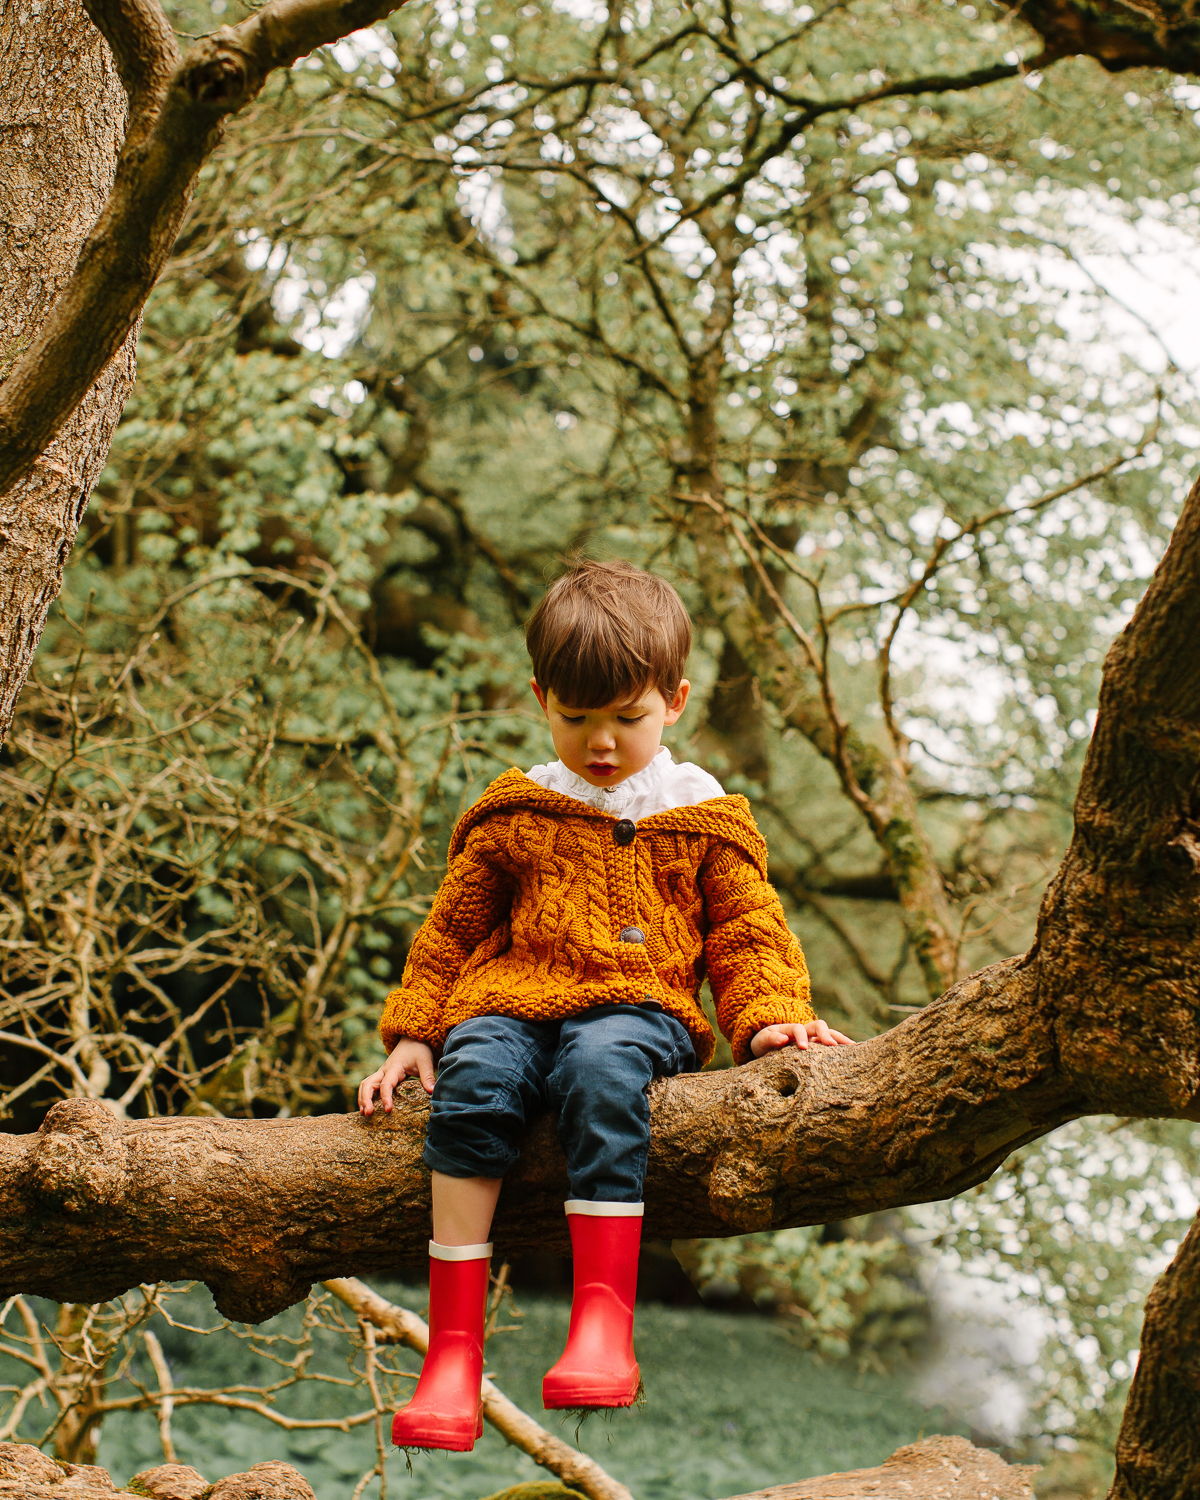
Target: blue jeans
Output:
[{"x": 497, "y": 1072}]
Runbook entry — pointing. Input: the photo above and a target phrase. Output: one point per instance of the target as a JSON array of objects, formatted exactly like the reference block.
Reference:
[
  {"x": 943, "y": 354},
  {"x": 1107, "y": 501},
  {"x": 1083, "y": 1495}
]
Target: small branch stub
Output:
[{"x": 219, "y": 74}]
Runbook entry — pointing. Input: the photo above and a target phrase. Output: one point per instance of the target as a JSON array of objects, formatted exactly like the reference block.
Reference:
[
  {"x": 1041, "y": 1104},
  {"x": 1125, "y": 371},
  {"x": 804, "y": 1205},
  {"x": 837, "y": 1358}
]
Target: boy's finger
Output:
[
  {"x": 425, "y": 1069},
  {"x": 385, "y": 1094}
]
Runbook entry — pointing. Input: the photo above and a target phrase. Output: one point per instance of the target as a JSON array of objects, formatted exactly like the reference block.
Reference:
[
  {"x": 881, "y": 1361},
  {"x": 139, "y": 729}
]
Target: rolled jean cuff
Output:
[{"x": 464, "y": 1161}]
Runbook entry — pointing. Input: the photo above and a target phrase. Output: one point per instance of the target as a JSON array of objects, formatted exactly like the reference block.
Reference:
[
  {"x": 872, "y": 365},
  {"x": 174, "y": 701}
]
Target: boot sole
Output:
[
  {"x": 450, "y": 1435},
  {"x": 587, "y": 1392}
]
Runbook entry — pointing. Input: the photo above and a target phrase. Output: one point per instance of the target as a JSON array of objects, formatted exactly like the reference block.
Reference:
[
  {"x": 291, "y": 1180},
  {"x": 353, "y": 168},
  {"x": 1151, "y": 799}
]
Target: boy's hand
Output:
[
  {"x": 408, "y": 1059},
  {"x": 796, "y": 1034}
]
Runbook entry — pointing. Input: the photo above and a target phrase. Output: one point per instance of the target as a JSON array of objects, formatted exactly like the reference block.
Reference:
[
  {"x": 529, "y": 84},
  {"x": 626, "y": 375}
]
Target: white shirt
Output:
[{"x": 655, "y": 788}]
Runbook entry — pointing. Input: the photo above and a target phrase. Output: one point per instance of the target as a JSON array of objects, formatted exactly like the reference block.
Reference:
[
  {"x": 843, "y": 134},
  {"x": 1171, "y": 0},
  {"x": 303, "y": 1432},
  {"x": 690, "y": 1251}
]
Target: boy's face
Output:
[{"x": 607, "y": 745}]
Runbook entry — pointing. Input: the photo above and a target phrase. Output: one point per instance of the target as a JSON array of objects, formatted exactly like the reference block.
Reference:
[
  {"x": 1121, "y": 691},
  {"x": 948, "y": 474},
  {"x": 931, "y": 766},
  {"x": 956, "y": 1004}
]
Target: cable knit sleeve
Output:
[
  {"x": 755, "y": 965},
  {"x": 472, "y": 903}
]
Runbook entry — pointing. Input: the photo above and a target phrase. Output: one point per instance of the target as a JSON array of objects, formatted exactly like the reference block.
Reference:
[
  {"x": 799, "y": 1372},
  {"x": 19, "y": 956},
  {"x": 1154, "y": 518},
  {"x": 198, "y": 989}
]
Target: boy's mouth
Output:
[{"x": 600, "y": 768}]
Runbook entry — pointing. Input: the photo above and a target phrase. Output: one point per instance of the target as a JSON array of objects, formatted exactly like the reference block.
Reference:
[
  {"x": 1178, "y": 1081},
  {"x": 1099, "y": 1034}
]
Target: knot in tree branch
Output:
[
  {"x": 78, "y": 1162},
  {"x": 220, "y": 72}
]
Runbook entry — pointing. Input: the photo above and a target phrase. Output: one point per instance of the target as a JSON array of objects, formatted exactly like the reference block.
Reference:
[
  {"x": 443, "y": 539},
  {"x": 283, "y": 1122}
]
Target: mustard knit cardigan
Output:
[{"x": 549, "y": 907}]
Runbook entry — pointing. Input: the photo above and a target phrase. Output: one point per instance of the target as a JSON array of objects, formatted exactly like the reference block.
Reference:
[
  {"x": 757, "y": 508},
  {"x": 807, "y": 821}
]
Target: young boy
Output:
[{"x": 560, "y": 966}]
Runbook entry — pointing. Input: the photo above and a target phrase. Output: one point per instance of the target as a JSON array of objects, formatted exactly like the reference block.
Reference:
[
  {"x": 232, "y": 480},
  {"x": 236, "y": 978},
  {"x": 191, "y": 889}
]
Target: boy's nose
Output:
[{"x": 601, "y": 739}]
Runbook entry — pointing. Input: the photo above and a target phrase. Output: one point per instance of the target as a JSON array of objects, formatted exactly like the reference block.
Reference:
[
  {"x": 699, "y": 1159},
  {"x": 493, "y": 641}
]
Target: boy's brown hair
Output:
[{"x": 606, "y": 632}]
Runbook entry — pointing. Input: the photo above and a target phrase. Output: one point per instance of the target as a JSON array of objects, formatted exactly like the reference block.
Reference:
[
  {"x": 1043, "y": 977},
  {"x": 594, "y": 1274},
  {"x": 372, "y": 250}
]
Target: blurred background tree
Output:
[{"x": 766, "y": 300}]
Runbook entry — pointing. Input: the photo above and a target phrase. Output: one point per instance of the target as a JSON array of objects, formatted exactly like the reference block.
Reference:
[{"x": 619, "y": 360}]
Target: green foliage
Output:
[
  {"x": 1076, "y": 1227},
  {"x": 257, "y": 798},
  {"x": 848, "y": 1296},
  {"x": 887, "y": 366}
]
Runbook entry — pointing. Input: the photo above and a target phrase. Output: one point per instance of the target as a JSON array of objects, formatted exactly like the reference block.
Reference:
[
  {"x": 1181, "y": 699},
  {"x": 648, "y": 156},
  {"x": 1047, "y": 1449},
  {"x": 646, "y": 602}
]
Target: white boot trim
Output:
[
  {"x": 604, "y": 1210},
  {"x": 459, "y": 1252}
]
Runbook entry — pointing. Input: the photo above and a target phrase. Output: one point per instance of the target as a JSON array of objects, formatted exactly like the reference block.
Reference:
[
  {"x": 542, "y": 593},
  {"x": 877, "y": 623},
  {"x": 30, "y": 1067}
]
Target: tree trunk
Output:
[
  {"x": 1158, "y": 1450},
  {"x": 62, "y": 121},
  {"x": 97, "y": 192}
]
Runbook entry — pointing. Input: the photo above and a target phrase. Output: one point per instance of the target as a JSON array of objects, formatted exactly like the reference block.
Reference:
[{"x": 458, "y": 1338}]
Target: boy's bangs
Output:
[{"x": 601, "y": 665}]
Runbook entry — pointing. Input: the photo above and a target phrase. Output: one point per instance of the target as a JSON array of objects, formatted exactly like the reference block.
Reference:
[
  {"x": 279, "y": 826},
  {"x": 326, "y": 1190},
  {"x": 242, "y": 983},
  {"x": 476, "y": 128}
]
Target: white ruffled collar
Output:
[
  {"x": 655, "y": 788},
  {"x": 613, "y": 799}
]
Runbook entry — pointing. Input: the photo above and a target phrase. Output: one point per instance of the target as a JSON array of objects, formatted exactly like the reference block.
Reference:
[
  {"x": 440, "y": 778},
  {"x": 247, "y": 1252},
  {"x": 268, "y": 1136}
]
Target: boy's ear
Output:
[
  {"x": 539, "y": 695},
  {"x": 679, "y": 702}
]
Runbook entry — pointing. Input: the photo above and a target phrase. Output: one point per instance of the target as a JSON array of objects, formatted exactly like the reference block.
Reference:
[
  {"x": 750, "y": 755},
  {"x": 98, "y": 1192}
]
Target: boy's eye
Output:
[
  {"x": 638, "y": 720},
  {"x": 567, "y": 719}
]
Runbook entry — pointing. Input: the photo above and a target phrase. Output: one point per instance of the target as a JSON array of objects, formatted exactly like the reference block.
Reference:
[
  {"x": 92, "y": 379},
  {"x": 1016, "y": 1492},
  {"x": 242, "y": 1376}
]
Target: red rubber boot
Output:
[
  {"x": 598, "y": 1368},
  {"x": 445, "y": 1411}
]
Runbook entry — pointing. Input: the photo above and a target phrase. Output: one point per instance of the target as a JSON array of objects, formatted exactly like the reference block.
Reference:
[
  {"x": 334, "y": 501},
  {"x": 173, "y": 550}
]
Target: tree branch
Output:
[
  {"x": 259, "y": 1210},
  {"x": 875, "y": 781},
  {"x": 1129, "y": 883},
  {"x": 811, "y": 110},
  {"x": 178, "y": 106},
  {"x": 142, "y": 44}
]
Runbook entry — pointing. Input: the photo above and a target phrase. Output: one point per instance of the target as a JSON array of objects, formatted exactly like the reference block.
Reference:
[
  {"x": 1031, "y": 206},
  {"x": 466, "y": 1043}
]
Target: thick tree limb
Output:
[
  {"x": 1120, "y": 34},
  {"x": 177, "y": 106},
  {"x": 261, "y": 1209},
  {"x": 1118, "y": 942},
  {"x": 143, "y": 47}
]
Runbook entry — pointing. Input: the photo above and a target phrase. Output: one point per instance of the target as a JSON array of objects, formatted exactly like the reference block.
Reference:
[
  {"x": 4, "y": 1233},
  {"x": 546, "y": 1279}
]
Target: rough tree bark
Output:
[
  {"x": 939, "y": 1468},
  {"x": 98, "y": 192},
  {"x": 936, "y": 1469},
  {"x": 62, "y": 120}
]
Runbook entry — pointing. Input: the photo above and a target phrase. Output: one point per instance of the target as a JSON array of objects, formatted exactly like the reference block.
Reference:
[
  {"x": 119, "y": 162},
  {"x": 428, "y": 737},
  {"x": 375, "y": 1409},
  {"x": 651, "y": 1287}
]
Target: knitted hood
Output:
[{"x": 726, "y": 818}]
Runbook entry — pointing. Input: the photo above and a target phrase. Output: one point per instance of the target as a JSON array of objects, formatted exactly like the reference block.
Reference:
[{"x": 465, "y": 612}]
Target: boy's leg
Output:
[
  {"x": 490, "y": 1078},
  {"x": 463, "y": 1208},
  {"x": 606, "y": 1059}
]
